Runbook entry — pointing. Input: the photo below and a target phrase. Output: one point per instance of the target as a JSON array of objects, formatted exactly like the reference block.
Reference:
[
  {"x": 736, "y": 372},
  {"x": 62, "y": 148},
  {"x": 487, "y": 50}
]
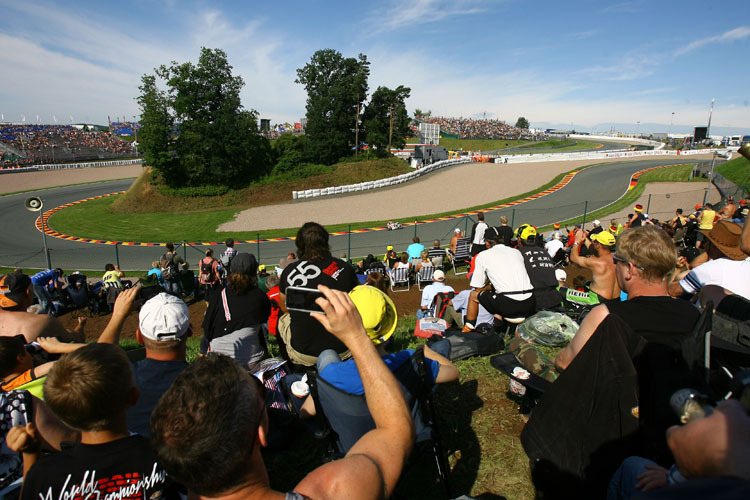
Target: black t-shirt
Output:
[
  {"x": 308, "y": 335},
  {"x": 153, "y": 378},
  {"x": 638, "y": 221},
  {"x": 505, "y": 233},
  {"x": 541, "y": 272},
  {"x": 122, "y": 469},
  {"x": 250, "y": 309},
  {"x": 659, "y": 319}
]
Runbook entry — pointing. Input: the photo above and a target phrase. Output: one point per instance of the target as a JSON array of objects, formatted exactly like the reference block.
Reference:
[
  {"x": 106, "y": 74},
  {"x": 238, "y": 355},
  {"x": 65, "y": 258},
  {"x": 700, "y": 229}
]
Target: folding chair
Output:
[
  {"x": 350, "y": 419},
  {"x": 400, "y": 278},
  {"x": 462, "y": 255},
  {"x": 425, "y": 276}
]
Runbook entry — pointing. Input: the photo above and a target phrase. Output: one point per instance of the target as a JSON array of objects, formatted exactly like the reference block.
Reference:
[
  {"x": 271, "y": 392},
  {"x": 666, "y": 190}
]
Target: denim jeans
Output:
[
  {"x": 45, "y": 300},
  {"x": 326, "y": 358},
  {"x": 622, "y": 484}
]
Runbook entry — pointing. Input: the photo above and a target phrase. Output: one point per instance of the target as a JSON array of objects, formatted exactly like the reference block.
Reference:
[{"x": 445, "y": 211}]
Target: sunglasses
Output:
[{"x": 616, "y": 258}]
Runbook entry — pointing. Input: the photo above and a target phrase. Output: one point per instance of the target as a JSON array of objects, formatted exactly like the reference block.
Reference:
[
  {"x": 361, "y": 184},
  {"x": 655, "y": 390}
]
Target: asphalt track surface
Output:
[{"x": 21, "y": 243}]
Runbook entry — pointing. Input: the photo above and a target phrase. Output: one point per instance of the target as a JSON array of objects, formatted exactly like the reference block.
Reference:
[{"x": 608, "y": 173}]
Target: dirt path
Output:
[
  {"x": 452, "y": 189},
  {"x": 23, "y": 181}
]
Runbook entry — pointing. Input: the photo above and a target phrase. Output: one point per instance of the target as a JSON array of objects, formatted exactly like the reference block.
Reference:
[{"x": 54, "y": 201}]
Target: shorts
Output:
[
  {"x": 284, "y": 329},
  {"x": 506, "y": 307}
]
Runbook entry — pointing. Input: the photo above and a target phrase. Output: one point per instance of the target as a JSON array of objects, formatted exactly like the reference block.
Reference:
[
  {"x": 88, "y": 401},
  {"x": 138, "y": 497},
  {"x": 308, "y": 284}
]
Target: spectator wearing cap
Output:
[
  {"x": 501, "y": 284},
  {"x": 15, "y": 298},
  {"x": 562, "y": 277},
  {"x": 163, "y": 330},
  {"x": 554, "y": 245},
  {"x": 379, "y": 318},
  {"x": 597, "y": 227},
  {"x": 233, "y": 322},
  {"x": 615, "y": 227},
  {"x": 636, "y": 220},
  {"x": 551, "y": 235},
  {"x": 390, "y": 258},
  {"x": 728, "y": 267},
  {"x": 599, "y": 261},
  {"x": 430, "y": 291},
  {"x": 539, "y": 267},
  {"x": 741, "y": 213}
]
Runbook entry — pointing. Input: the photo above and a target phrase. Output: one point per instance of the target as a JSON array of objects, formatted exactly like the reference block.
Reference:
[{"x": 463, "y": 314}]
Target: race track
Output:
[{"x": 21, "y": 243}]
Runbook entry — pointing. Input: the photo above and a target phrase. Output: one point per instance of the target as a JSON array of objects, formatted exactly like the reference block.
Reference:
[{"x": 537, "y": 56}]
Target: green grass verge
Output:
[
  {"x": 479, "y": 144},
  {"x": 676, "y": 173},
  {"x": 737, "y": 170}
]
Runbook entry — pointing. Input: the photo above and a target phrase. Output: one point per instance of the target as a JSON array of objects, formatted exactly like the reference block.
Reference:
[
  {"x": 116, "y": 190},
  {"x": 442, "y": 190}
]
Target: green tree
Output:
[
  {"x": 196, "y": 132},
  {"x": 381, "y": 132},
  {"x": 418, "y": 113},
  {"x": 522, "y": 122},
  {"x": 336, "y": 86}
]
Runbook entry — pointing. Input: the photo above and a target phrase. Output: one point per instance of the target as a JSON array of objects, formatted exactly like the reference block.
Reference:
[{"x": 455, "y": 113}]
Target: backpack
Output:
[
  {"x": 207, "y": 273},
  {"x": 442, "y": 301},
  {"x": 465, "y": 345},
  {"x": 169, "y": 271},
  {"x": 226, "y": 257}
]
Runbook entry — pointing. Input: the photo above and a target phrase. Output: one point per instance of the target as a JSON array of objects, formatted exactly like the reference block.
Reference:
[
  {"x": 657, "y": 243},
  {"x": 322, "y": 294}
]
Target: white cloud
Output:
[
  {"x": 396, "y": 15},
  {"x": 735, "y": 34}
]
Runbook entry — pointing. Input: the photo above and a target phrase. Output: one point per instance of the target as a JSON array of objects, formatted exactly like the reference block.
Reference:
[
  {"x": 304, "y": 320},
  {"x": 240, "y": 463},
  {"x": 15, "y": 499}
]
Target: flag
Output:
[
  {"x": 297, "y": 126},
  {"x": 2, "y": 117},
  {"x": 108, "y": 120},
  {"x": 54, "y": 118},
  {"x": 37, "y": 118}
]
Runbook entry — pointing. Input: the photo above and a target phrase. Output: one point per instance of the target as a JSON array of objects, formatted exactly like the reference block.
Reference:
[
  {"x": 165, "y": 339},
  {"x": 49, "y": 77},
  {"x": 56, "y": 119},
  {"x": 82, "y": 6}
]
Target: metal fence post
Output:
[
  {"x": 349, "y": 243},
  {"x": 184, "y": 250},
  {"x": 466, "y": 225},
  {"x": 648, "y": 205},
  {"x": 257, "y": 243},
  {"x": 513, "y": 218},
  {"x": 117, "y": 254},
  {"x": 415, "y": 229},
  {"x": 585, "y": 211}
]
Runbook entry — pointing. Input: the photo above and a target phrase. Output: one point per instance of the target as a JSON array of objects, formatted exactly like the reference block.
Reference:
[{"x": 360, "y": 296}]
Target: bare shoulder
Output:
[{"x": 337, "y": 479}]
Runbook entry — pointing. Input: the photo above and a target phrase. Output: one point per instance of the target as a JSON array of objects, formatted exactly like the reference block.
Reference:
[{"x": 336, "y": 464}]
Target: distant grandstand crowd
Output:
[
  {"x": 26, "y": 145},
  {"x": 467, "y": 128}
]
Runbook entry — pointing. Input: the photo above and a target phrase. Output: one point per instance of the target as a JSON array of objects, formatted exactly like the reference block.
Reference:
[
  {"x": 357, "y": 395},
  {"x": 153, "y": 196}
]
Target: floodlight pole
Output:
[
  {"x": 710, "y": 180},
  {"x": 44, "y": 240}
]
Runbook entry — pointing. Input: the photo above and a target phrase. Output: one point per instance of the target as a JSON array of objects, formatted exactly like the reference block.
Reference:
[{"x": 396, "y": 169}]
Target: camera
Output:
[{"x": 690, "y": 404}]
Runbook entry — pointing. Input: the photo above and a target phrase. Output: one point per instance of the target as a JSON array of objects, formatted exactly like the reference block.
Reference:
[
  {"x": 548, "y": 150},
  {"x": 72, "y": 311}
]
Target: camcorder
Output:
[{"x": 690, "y": 404}]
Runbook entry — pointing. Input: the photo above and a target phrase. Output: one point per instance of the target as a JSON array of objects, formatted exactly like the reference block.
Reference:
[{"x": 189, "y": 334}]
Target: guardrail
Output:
[
  {"x": 65, "y": 166},
  {"x": 600, "y": 155},
  {"x": 366, "y": 186}
]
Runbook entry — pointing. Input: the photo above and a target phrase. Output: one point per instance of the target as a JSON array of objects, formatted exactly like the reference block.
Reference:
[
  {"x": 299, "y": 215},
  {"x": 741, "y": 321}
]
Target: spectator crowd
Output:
[
  {"x": 469, "y": 128},
  {"x": 157, "y": 426}
]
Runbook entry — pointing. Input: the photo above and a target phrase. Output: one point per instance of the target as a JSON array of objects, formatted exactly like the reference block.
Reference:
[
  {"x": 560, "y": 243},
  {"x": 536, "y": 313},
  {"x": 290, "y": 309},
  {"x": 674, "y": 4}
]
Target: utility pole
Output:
[
  {"x": 390, "y": 127},
  {"x": 710, "y": 114},
  {"x": 356, "y": 130}
]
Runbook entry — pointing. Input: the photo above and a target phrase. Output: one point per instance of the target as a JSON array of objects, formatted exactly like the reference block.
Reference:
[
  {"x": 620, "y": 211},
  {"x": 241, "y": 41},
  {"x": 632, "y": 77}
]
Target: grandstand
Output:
[
  {"x": 25, "y": 145},
  {"x": 467, "y": 128}
]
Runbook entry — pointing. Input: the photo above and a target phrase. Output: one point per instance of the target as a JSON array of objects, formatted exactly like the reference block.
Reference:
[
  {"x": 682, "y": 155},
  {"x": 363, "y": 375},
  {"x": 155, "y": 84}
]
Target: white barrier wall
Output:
[
  {"x": 65, "y": 166},
  {"x": 596, "y": 155}
]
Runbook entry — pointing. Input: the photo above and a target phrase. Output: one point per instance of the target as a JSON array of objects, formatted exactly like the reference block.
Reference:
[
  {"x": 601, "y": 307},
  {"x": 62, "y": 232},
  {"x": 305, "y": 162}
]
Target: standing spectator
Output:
[
  {"x": 604, "y": 284},
  {"x": 637, "y": 219},
  {"x": 477, "y": 234},
  {"x": 209, "y": 279},
  {"x": 304, "y": 338},
  {"x": 170, "y": 270},
  {"x": 705, "y": 222},
  {"x": 43, "y": 281},
  {"x": 228, "y": 254},
  {"x": 234, "y": 318},
  {"x": 273, "y": 295}
]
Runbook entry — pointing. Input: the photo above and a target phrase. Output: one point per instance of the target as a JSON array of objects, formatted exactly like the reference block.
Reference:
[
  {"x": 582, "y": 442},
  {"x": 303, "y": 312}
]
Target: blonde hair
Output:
[{"x": 649, "y": 248}]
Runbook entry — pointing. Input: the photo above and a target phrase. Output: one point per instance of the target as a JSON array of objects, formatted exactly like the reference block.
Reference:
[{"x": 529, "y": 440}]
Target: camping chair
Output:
[
  {"x": 80, "y": 296},
  {"x": 400, "y": 277},
  {"x": 462, "y": 255},
  {"x": 349, "y": 418},
  {"x": 425, "y": 276}
]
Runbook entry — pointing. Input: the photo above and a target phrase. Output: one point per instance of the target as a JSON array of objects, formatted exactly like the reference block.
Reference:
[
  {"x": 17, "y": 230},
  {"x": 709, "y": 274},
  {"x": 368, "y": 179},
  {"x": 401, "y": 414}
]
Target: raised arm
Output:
[
  {"x": 375, "y": 462},
  {"x": 123, "y": 304}
]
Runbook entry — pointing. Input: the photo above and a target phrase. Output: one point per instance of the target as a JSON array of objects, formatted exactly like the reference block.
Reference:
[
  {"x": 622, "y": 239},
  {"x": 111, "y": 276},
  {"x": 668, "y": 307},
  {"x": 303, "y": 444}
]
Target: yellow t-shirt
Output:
[{"x": 707, "y": 219}]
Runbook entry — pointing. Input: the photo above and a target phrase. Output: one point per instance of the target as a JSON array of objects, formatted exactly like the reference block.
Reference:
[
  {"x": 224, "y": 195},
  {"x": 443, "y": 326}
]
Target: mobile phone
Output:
[{"x": 302, "y": 299}]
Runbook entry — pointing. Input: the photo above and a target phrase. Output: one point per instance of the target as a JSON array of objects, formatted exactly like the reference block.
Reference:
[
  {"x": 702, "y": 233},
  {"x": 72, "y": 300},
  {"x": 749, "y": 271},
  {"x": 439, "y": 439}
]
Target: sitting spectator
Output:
[
  {"x": 17, "y": 364},
  {"x": 727, "y": 266},
  {"x": 430, "y": 291},
  {"x": 415, "y": 249},
  {"x": 457, "y": 235},
  {"x": 436, "y": 254},
  {"x": 303, "y": 337},
  {"x": 233, "y": 427},
  {"x": 91, "y": 389},
  {"x": 377, "y": 279},
  {"x": 156, "y": 270},
  {"x": 390, "y": 258},
  {"x": 44, "y": 282},
  {"x": 540, "y": 268},
  {"x": 604, "y": 284},
  {"x": 424, "y": 261},
  {"x": 233, "y": 322},
  {"x": 112, "y": 275},
  {"x": 554, "y": 245},
  {"x": 403, "y": 262},
  {"x": 370, "y": 262},
  {"x": 15, "y": 298}
]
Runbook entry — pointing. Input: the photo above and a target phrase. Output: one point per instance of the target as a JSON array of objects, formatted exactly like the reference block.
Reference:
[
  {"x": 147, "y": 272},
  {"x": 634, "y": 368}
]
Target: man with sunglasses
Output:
[
  {"x": 644, "y": 262},
  {"x": 208, "y": 428}
]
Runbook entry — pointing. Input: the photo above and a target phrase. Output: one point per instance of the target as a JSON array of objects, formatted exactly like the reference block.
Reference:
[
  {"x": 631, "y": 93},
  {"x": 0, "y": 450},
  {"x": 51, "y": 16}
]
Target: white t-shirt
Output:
[
  {"x": 733, "y": 275},
  {"x": 429, "y": 292},
  {"x": 479, "y": 234},
  {"x": 552, "y": 246},
  {"x": 505, "y": 268}
]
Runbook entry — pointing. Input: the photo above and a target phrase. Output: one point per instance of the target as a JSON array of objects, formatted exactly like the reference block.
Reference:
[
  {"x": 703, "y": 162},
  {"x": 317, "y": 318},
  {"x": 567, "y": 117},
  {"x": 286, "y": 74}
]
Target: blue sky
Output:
[{"x": 586, "y": 62}]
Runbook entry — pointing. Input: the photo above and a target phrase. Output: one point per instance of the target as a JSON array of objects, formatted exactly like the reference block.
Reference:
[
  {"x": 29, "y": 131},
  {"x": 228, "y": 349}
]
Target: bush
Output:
[{"x": 194, "y": 191}]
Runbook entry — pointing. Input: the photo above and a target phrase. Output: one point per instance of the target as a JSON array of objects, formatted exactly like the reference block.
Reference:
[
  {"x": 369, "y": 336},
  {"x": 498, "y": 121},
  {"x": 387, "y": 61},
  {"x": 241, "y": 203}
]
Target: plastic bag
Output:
[{"x": 548, "y": 328}]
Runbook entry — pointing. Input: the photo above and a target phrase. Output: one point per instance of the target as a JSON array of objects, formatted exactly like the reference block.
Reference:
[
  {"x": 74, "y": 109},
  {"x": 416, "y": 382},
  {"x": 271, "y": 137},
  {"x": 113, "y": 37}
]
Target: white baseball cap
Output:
[
  {"x": 561, "y": 275},
  {"x": 164, "y": 318},
  {"x": 457, "y": 230},
  {"x": 438, "y": 275}
]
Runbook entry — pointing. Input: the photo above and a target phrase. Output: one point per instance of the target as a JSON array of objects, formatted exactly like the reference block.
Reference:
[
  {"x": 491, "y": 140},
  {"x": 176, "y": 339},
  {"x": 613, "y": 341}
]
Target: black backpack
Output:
[
  {"x": 442, "y": 301},
  {"x": 207, "y": 271},
  {"x": 481, "y": 342},
  {"x": 169, "y": 271}
]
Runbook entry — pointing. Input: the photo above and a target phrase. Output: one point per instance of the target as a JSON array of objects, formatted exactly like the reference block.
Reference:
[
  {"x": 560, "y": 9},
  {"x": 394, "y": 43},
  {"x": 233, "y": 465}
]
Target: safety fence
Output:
[
  {"x": 601, "y": 155},
  {"x": 66, "y": 166}
]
